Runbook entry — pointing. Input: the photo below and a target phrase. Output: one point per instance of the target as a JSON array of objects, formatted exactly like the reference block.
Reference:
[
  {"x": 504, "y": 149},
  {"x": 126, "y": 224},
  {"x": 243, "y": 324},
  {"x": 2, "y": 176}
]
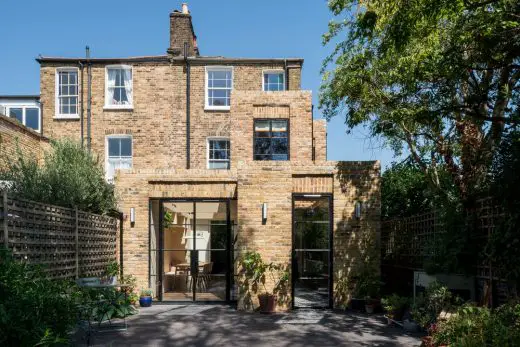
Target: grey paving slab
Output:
[{"x": 209, "y": 325}]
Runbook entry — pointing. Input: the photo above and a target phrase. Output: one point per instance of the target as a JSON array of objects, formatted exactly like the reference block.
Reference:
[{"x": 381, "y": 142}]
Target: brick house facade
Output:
[{"x": 177, "y": 112}]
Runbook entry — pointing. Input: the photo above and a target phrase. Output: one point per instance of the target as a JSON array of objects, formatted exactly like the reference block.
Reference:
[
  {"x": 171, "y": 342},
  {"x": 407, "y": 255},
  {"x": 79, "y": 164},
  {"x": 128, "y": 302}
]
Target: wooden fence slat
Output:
[{"x": 4, "y": 216}]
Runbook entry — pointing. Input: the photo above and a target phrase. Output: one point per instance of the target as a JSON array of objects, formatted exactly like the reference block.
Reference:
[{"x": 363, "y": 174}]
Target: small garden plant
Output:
[{"x": 255, "y": 272}]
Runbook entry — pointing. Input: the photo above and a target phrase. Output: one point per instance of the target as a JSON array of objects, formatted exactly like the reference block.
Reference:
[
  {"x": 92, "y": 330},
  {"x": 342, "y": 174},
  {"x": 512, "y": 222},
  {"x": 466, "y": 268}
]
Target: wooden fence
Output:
[{"x": 68, "y": 243}]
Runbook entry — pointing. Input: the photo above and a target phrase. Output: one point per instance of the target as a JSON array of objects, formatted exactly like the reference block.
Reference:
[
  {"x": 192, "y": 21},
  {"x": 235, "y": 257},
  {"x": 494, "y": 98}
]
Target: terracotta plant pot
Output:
[
  {"x": 427, "y": 341},
  {"x": 267, "y": 303}
]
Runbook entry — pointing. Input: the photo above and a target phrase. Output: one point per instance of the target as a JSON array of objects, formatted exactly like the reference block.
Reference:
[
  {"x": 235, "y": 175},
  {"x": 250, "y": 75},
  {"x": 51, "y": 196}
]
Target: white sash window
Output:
[
  {"x": 118, "y": 91},
  {"x": 119, "y": 154}
]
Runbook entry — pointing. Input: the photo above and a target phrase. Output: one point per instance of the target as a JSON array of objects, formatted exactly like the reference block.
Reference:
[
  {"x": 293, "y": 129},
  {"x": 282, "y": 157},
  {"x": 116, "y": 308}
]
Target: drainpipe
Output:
[
  {"x": 81, "y": 103},
  {"x": 121, "y": 258},
  {"x": 286, "y": 71},
  {"x": 41, "y": 117},
  {"x": 89, "y": 97},
  {"x": 188, "y": 70},
  {"x": 312, "y": 135}
]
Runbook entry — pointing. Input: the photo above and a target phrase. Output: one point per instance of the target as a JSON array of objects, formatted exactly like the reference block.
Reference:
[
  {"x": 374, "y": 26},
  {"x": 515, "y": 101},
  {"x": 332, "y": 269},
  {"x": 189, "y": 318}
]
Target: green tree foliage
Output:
[
  {"x": 438, "y": 77},
  {"x": 404, "y": 191},
  {"x": 69, "y": 176}
]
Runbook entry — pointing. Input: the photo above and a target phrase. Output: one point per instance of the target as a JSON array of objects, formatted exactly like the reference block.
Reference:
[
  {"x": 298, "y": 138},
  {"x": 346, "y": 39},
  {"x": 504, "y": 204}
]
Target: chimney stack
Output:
[{"x": 181, "y": 31}]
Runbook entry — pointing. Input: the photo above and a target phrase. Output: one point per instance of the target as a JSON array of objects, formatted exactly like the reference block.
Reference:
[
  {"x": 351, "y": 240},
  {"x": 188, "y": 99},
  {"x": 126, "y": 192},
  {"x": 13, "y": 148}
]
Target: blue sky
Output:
[{"x": 119, "y": 28}]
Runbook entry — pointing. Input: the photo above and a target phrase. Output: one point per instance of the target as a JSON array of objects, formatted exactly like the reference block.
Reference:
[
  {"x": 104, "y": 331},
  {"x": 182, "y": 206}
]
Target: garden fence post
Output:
[
  {"x": 5, "y": 214},
  {"x": 76, "y": 242}
]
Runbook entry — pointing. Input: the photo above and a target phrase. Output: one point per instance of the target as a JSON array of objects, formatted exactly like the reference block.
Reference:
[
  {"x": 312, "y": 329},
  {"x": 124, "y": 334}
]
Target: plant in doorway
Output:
[
  {"x": 145, "y": 298},
  {"x": 255, "y": 272}
]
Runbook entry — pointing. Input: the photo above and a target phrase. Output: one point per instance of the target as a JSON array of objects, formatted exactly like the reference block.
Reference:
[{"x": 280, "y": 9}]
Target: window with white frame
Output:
[
  {"x": 218, "y": 153},
  {"x": 119, "y": 154},
  {"x": 67, "y": 92},
  {"x": 118, "y": 91},
  {"x": 219, "y": 83},
  {"x": 27, "y": 115},
  {"x": 274, "y": 81}
]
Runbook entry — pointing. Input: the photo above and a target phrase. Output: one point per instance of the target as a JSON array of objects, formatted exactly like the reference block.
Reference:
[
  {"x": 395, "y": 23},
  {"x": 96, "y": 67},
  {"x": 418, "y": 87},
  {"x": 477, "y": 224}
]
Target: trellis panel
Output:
[{"x": 66, "y": 242}]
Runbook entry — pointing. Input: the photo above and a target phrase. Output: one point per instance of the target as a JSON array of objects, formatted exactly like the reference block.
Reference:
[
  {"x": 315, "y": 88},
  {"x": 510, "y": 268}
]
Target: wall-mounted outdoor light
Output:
[
  {"x": 264, "y": 212},
  {"x": 357, "y": 210},
  {"x": 132, "y": 216}
]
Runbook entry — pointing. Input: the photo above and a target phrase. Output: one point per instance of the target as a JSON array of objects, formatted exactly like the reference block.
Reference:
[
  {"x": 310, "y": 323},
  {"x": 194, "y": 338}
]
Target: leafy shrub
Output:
[
  {"x": 480, "y": 326},
  {"x": 396, "y": 306},
  {"x": 368, "y": 285},
  {"x": 112, "y": 269},
  {"x": 131, "y": 283},
  {"x": 107, "y": 304},
  {"x": 70, "y": 176},
  {"x": 33, "y": 309},
  {"x": 431, "y": 303}
]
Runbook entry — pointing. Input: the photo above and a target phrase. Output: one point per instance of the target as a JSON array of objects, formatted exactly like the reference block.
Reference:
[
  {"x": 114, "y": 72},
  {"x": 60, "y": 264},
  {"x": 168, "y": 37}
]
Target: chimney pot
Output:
[{"x": 185, "y": 8}]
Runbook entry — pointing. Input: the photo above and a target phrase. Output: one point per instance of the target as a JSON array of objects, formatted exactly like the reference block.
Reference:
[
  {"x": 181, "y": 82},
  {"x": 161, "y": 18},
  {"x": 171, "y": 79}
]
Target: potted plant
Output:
[
  {"x": 255, "y": 271},
  {"x": 112, "y": 271},
  {"x": 395, "y": 307},
  {"x": 145, "y": 298},
  {"x": 367, "y": 287}
]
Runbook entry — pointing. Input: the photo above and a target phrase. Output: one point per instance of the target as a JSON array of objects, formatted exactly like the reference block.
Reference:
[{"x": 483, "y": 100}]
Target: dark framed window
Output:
[{"x": 271, "y": 139}]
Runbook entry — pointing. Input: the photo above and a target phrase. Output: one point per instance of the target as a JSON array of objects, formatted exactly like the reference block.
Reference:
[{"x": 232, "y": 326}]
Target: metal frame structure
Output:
[{"x": 193, "y": 259}]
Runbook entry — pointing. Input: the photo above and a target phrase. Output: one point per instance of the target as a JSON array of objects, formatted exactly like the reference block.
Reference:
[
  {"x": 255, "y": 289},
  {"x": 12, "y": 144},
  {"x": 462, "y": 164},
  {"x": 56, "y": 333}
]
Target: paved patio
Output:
[{"x": 210, "y": 325}]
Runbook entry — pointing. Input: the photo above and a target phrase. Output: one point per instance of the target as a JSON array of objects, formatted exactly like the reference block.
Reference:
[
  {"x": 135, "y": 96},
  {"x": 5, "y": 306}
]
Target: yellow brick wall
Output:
[
  {"x": 157, "y": 121},
  {"x": 14, "y": 137}
]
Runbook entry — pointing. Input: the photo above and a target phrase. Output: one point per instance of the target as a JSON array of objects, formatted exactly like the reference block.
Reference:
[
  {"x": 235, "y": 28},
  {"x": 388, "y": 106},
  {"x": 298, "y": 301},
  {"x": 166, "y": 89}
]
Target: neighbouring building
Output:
[
  {"x": 21, "y": 128},
  {"x": 24, "y": 108},
  {"x": 212, "y": 156}
]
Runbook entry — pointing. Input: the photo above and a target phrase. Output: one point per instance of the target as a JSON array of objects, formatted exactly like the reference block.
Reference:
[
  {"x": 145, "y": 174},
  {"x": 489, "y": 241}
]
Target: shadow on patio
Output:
[{"x": 204, "y": 325}]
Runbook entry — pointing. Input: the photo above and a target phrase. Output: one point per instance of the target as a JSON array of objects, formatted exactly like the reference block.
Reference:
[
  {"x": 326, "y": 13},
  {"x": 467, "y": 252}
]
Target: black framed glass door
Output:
[
  {"x": 312, "y": 251},
  {"x": 191, "y": 260}
]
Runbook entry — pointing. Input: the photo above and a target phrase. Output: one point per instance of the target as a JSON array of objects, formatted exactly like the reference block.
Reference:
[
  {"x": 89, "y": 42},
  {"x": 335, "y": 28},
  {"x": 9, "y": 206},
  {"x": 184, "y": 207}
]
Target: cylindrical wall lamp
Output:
[
  {"x": 132, "y": 215},
  {"x": 357, "y": 209},
  {"x": 264, "y": 212}
]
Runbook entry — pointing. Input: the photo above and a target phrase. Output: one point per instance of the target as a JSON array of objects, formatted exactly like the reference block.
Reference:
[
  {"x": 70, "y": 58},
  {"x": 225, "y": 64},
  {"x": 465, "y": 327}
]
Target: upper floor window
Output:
[
  {"x": 274, "y": 81},
  {"x": 27, "y": 115},
  {"x": 218, "y": 153},
  {"x": 271, "y": 139},
  {"x": 67, "y": 92},
  {"x": 118, "y": 87},
  {"x": 119, "y": 154},
  {"x": 219, "y": 83}
]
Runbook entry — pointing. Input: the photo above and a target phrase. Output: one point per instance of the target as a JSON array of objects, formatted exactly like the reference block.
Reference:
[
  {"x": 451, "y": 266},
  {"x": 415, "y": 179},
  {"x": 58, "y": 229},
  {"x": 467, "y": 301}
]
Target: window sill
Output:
[
  {"x": 118, "y": 108},
  {"x": 217, "y": 108},
  {"x": 67, "y": 116}
]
